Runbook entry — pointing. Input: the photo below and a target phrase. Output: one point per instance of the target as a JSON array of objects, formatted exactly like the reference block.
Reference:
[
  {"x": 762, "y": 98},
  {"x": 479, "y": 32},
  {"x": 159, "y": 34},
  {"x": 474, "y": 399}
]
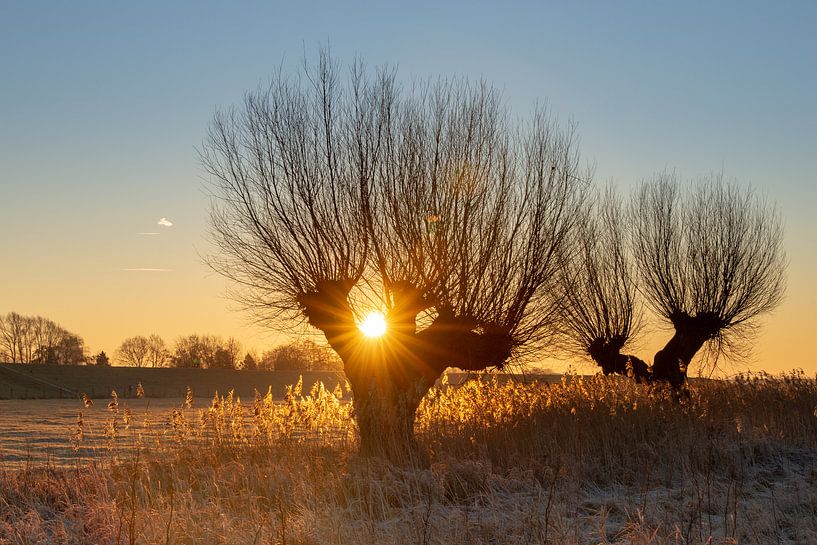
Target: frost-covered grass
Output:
[{"x": 589, "y": 460}]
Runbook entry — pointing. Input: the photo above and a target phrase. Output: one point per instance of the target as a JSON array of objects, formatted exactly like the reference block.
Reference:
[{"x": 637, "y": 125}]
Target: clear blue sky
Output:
[{"x": 102, "y": 104}]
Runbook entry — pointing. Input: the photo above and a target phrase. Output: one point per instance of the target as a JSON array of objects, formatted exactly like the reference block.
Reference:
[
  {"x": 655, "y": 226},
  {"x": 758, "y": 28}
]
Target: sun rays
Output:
[{"x": 373, "y": 325}]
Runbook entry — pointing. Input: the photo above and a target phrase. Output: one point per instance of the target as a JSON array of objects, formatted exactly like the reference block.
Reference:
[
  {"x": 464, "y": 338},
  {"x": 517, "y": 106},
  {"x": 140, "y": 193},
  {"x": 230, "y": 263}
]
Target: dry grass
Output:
[{"x": 596, "y": 460}]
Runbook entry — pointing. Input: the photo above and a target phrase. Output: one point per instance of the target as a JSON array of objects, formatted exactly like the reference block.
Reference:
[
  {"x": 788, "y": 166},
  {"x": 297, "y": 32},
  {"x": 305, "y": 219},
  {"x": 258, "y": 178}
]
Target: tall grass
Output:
[{"x": 587, "y": 460}]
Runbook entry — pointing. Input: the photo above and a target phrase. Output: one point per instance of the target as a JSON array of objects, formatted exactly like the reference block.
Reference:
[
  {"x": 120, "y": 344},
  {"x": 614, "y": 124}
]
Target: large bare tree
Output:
[{"x": 337, "y": 196}]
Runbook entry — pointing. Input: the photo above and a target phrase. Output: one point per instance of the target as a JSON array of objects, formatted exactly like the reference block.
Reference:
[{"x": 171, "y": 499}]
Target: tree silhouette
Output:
[
  {"x": 157, "y": 354},
  {"x": 302, "y": 355},
  {"x": 431, "y": 204},
  {"x": 711, "y": 261},
  {"x": 250, "y": 362},
  {"x": 708, "y": 260},
  {"x": 598, "y": 289},
  {"x": 34, "y": 339},
  {"x": 134, "y": 351},
  {"x": 102, "y": 359}
]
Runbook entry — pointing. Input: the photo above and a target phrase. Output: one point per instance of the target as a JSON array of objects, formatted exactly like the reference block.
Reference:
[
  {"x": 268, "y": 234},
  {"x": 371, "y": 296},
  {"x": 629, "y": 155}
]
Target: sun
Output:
[{"x": 373, "y": 325}]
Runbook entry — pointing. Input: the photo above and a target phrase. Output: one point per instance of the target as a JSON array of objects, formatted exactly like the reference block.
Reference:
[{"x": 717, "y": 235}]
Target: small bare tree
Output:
[
  {"x": 134, "y": 351},
  {"x": 598, "y": 290},
  {"x": 430, "y": 205},
  {"x": 157, "y": 354},
  {"x": 710, "y": 262},
  {"x": 13, "y": 333}
]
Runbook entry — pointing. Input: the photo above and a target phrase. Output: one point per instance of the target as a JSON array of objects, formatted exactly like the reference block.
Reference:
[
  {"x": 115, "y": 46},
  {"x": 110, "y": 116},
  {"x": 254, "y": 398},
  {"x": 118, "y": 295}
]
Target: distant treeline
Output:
[{"x": 34, "y": 339}]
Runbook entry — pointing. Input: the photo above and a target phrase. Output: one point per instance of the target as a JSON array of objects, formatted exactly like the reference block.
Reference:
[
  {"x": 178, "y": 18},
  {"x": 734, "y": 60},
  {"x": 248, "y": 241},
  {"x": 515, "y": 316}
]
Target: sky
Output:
[{"x": 102, "y": 106}]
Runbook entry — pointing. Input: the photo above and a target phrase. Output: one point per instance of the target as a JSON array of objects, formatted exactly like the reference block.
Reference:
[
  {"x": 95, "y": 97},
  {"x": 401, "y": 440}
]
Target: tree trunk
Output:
[
  {"x": 391, "y": 375},
  {"x": 385, "y": 418},
  {"x": 606, "y": 353},
  {"x": 691, "y": 332},
  {"x": 387, "y": 391},
  {"x": 624, "y": 364},
  {"x": 672, "y": 361}
]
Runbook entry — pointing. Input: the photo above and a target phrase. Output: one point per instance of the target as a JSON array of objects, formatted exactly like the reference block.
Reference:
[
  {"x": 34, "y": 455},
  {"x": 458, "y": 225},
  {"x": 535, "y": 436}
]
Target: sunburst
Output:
[{"x": 373, "y": 325}]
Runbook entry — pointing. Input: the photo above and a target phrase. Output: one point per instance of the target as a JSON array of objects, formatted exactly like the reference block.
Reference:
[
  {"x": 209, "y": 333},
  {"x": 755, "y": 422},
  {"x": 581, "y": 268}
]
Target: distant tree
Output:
[
  {"x": 223, "y": 359},
  {"x": 47, "y": 355},
  {"x": 286, "y": 357},
  {"x": 157, "y": 354},
  {"x": 206, "y": 352},
  {"x": 34, "y": 339},
  {"x": 102, "y": 359},
  {"x": 189, "y": 351},
  {"x": 71, "y": 350},
  {"x": 266, "y": 362},
  {"x": 233, "y": 349},
  {"x": 12, "y": 334},
  {"x": 134, "y": 351},
  {"x": 44, "y": 336},
  {"x": 302, "y": 355},
  {"x": 250, "y": 362}
]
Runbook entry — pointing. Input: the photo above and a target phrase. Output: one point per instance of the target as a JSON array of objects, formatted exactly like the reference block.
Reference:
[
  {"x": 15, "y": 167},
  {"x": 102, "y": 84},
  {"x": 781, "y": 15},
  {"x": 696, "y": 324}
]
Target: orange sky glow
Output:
[{"x": 103, "y": 215}]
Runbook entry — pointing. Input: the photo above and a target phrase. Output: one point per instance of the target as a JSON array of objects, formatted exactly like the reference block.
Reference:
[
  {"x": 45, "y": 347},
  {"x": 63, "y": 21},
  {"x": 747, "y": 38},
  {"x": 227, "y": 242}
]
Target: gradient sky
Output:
[{"x": 103, "y": 103}]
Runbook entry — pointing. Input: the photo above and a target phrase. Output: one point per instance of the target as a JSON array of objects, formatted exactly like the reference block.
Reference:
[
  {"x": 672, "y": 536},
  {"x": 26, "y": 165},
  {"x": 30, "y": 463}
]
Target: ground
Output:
[{"x": 589, "y": 460}]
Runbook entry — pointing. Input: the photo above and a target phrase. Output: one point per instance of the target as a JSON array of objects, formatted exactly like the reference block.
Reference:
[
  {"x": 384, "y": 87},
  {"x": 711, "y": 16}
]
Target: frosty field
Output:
[
  {"x": 39, "y": 431},
  {"x": 591, "y": 460}
]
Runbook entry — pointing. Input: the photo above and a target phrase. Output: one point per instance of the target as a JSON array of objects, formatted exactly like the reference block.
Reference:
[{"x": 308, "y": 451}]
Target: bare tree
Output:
[
  {"x": 301, "y": 355},
  {"x": 34, "y": 339},
  {"x": 70, "y": 350},
  {"x": 333, "y": 197},
  {"x": 197, "y": 351},
  {"x": 157, "y": 355},
  {"x": 205, "y": 352},
  {"x": 134, "y": 351},
  {"x": 12, "y": 333},
  {"x": 45, "y": 336},
  {"x": 226, "y": 355},
  {"x": 710, "y": 262},
  {"x": 141, "y": 351},
  {"x": 233, "y": 349},
  {"x": 598, "y": 291}
]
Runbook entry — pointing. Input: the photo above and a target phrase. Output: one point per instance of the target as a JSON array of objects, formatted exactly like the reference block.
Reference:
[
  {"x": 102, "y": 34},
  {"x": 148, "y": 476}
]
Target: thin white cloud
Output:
[
  {"x": 164, "y": 222},
  {"x": 147, "y": 234},
  {"x": 146, "y": 269}
]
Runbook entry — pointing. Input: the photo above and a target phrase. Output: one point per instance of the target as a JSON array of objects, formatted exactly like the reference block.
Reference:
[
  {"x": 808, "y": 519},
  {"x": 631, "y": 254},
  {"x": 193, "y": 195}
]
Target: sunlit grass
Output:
[{"x": 597, "y": 459}]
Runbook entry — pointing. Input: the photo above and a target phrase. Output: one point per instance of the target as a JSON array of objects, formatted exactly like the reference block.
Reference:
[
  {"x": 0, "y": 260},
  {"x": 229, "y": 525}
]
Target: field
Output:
[
  {"x": 39, "y": 431},
  {"x": 587, "y": 460}
]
